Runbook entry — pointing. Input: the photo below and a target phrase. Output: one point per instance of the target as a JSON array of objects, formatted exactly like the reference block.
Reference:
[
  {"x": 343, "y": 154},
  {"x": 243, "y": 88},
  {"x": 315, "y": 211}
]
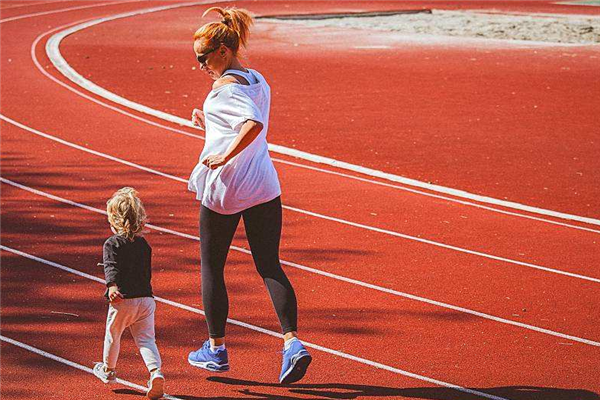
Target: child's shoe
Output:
[
  {"x": 103, "y": 374},
  {"x": 214, "y": 361},
  {"x": 295, "y": 362},
  {"x": 156, "y": 385}
]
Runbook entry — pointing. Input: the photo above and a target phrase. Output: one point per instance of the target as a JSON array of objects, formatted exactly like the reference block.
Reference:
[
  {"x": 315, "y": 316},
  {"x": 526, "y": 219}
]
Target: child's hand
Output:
[
  {"x": 198, "y": 118},
  {"x": 114, "y": 295}
]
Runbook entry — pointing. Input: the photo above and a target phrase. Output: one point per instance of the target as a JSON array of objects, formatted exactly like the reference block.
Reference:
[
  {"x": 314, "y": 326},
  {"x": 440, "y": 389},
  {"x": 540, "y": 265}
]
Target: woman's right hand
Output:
[{"x": 198, "y": 118}]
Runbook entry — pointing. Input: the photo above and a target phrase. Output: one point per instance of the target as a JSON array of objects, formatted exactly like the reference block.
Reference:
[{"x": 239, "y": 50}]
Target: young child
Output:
[{"x": 127, "y": 269}]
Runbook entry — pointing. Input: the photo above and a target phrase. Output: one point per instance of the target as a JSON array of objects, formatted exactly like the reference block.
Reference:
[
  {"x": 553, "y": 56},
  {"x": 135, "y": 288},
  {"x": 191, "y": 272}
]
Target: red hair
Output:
[{"x": 232, "y": 31}]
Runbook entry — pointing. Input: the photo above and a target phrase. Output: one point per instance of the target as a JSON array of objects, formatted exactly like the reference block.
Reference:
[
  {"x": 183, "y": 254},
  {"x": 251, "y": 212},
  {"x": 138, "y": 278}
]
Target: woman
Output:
[{"x": 236, "y": 178}]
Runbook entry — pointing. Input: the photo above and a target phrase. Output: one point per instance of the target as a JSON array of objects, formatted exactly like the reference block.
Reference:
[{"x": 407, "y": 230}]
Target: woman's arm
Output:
[{"x": 250, "y": 130}]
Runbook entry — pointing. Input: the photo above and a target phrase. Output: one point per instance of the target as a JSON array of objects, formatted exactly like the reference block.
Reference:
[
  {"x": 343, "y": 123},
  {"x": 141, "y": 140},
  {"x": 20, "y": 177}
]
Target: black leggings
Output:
[{"x": 263, "y": 230}]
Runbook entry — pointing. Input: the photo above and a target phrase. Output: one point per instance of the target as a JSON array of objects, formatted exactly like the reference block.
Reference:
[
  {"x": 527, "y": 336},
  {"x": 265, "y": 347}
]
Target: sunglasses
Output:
[{"x": 202, "y": 57}]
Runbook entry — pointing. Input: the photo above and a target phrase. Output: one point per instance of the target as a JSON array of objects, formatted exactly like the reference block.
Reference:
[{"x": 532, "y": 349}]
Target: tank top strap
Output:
[{"x": 249, "y": 76}]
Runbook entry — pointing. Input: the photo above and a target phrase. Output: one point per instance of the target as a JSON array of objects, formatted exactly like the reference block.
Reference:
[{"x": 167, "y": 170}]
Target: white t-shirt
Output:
[{"x": 249, "y": 178}]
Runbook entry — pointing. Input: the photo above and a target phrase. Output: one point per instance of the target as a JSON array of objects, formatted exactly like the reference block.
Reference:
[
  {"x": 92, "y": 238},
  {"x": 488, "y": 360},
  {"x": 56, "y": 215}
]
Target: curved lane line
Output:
[
  {"x": 437, "y": 196},
  {"x": 36, "y": 62},
  {"x": 314, "y": 346},
  {"x": 73, "y": 363},
  {"x": 277, "y": 160},
  {"x": 305, "y": 212},
  {"x": 53, "y": 51},
  {"x": 266, "y": 331},
  {"x": 39, "y": 14},
  {"x": 110, "y": 107},
  {"x": 323, "y": 273},
  {"x": 33, "y": 4}
]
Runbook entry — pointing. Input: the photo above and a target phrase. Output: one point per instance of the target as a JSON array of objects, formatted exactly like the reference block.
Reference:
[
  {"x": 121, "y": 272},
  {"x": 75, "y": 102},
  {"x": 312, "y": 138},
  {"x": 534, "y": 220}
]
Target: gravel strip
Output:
[{"x": 539, "y": 28}]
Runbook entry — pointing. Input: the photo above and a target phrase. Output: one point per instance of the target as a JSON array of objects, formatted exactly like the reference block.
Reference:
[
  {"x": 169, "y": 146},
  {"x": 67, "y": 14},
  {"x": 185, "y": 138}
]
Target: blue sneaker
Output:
[
  {"x": 207, "y": 359},
  {"x": 295, "y": 362}
]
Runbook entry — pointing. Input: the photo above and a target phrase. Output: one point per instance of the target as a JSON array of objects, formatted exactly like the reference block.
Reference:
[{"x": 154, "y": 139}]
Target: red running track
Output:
[
  {"x": 50, "y": 309},
  {"x": 507, "y": 121}
]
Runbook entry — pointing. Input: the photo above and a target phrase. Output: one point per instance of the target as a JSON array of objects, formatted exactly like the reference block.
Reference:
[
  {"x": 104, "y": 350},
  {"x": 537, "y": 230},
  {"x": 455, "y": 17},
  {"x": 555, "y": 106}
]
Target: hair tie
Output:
[{"x": 226, "y": 21}]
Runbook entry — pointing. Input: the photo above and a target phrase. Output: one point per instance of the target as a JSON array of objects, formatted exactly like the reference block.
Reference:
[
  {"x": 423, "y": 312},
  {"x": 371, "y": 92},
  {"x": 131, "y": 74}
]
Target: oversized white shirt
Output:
[{"x": 249, "y": 178}]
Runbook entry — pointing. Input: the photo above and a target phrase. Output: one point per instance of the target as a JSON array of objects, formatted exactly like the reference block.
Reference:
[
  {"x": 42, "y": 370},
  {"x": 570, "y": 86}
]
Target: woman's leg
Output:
[
  {"x": 263, "y": 229},
  {"x": 216, "y": 234}
]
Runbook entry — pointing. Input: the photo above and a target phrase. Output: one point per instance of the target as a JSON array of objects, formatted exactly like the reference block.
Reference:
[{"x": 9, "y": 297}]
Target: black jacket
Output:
[{"x": 128, "y": 264}]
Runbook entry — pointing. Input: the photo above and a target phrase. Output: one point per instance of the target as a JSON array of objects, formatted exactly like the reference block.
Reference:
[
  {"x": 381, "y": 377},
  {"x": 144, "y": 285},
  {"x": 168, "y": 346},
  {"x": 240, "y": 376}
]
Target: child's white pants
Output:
[{"x": 137, "y": 315}]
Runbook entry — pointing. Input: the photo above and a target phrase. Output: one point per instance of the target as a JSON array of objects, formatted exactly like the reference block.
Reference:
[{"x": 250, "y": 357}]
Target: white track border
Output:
[
  {"x": 73, "y": 364},
  {"x": 267, "y": 331},
  {"x": 273, "y": 148},
  {"x": 39, "y": 14},
  {"x": 53, "y": 51},
  {"x": 310, "y": 213},
  {"x": 281, "y": 161},
  {"x": 325, "y": 273}
]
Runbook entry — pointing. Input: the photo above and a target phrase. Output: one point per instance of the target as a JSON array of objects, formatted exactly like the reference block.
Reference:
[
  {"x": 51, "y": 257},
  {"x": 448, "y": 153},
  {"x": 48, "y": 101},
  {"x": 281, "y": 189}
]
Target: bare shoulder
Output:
[{"x": 226, "y": 80}]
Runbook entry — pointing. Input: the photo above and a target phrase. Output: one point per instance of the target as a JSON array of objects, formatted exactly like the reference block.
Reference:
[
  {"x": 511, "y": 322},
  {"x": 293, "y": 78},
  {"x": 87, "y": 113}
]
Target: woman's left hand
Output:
[{"x": 214, "y": 161}]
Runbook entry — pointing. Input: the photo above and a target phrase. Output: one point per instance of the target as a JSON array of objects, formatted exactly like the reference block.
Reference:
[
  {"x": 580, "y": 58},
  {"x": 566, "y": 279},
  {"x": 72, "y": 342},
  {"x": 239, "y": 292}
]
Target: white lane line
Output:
[
  {"x": 179, "y": 131},
  {"x": 53, "y": 51},
  {"x": 373, "y": 47},
  {"x": 87, "y": 97},
  {"x": 96, "y": 153},
  {"x": 324, "y": 273},
  {"x": 281, "y": 161},
  {"x": 74, "y": 364},
  {"x": 303, "y": 166},
  {"x": 33, "y": 4},
  {"x": 310, "y": 213},
  {"x": 63, "y": 67},
  {"x": 266, "y": 331},
  {"x": 437, "y": 196},
  {"x": 446, "y": 246},
  {"x": 39, "y": 14}
]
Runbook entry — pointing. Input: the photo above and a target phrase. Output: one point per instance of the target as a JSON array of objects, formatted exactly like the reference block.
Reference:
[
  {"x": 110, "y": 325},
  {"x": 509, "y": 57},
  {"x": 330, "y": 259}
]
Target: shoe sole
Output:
[
  {"x": 298, "y": 369},
  {"x": 156, "y": 389},
  {"x": 209, "y": 366},
  {"x": 107, "y": 381}
]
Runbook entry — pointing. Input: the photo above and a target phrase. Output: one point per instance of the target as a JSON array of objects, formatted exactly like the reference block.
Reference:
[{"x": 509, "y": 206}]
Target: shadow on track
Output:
[{"x": 354, "y": 391}]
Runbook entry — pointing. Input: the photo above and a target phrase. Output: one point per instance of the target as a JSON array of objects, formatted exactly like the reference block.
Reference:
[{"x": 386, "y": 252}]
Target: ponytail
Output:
[{"x": 232, "y": 31}]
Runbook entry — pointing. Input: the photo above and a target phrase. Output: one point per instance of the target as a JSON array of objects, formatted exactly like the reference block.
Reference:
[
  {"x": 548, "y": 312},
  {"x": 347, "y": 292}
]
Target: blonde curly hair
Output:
[{"x": 126, "y": 213}]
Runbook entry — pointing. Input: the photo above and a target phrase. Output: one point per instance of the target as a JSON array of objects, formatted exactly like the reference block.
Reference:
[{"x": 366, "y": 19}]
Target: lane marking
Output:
[
  {"x": 372, "y": 47},
  {"x": 94, "y": 152},
  {"x": 41, "y": 69},
  {"x": 277, "y": 160},
  {"x": 87, "y": 97},
  {"x": 53, "y": 52},
  {"x": 33, "y": 4},
  {"x": 75, "y": 365},
  {"x": 142, "y": 388},
  {"x": 39, "y": 14},
  {"x": 310, "y": 213},
  {"x": 437, "y": 196},
  {"x": 446, "y": 246},
  {"x": 324, "y": 273},
  {"x": 266, "y": 331}
]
